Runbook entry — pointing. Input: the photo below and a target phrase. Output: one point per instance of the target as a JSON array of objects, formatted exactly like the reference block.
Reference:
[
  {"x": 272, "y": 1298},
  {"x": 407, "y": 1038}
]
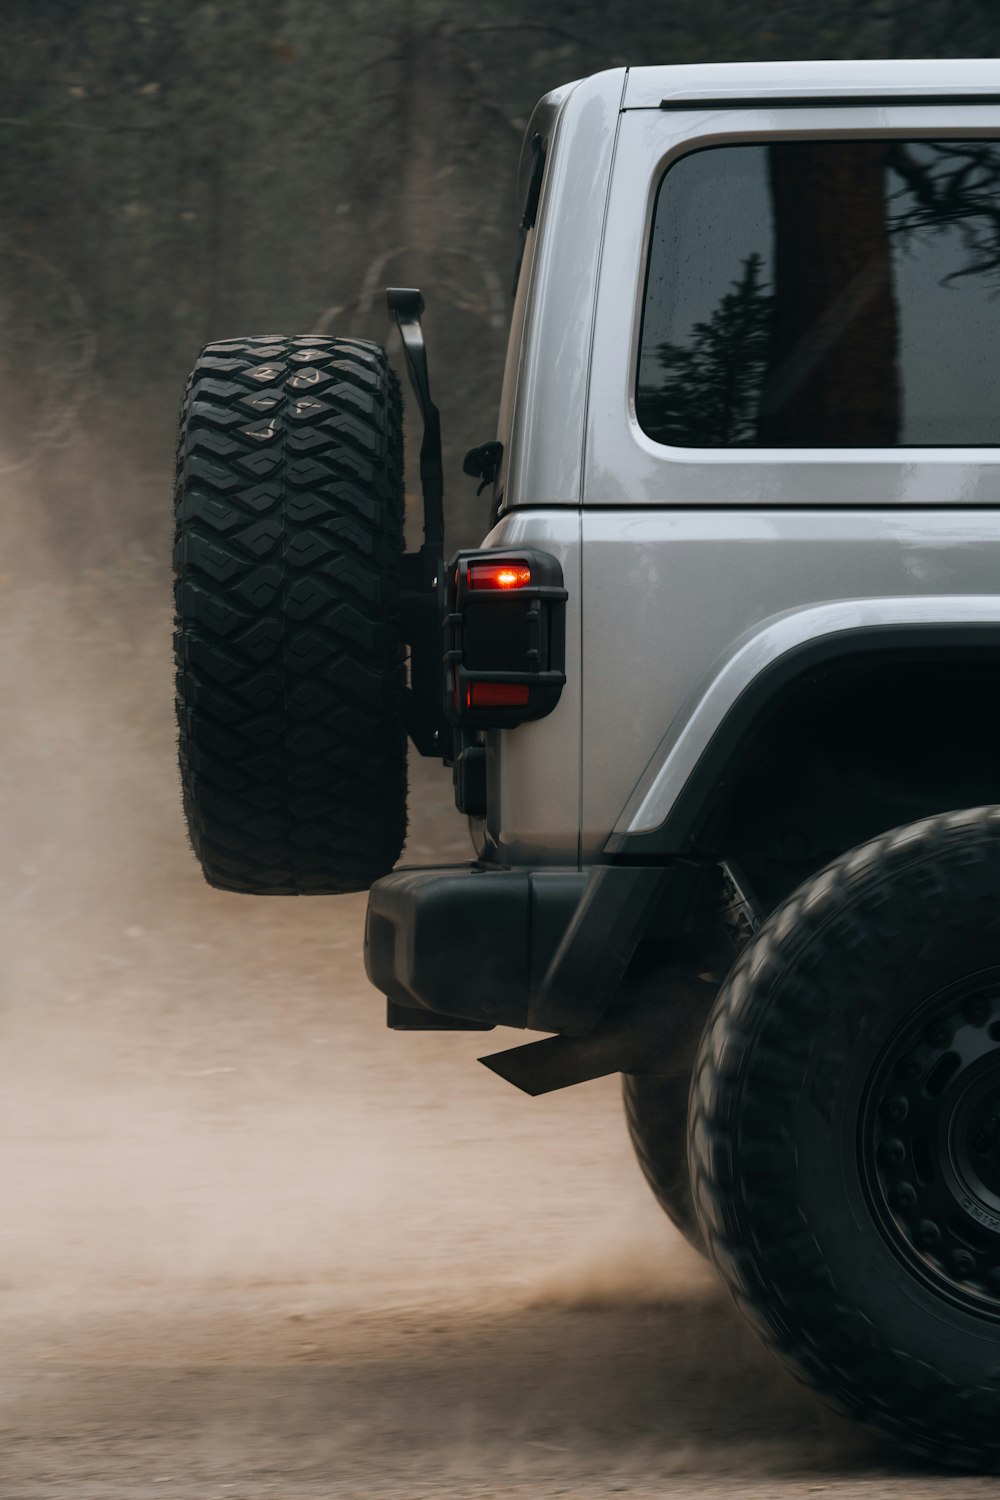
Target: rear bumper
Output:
[{"x": 544, "y": 949}]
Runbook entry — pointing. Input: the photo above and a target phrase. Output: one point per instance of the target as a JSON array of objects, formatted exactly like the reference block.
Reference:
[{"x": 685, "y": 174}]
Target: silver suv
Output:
[{"x": 721, "y": 688}]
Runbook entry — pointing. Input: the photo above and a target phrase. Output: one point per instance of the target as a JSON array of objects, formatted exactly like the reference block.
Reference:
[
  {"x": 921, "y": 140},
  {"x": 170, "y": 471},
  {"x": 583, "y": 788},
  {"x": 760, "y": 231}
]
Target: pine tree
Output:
[{"x": 710, "y": 390}]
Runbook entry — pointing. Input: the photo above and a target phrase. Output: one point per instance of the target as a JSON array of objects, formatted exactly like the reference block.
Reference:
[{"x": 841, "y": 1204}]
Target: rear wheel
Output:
[
  {"x": 289, "y": 533},
  {"x": 846, "y": 1135}
]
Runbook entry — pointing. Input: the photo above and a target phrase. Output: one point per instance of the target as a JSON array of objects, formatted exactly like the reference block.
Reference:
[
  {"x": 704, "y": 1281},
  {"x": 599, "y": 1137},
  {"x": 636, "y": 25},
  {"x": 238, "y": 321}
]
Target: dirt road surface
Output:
[{"x": 253, "y": 1245}]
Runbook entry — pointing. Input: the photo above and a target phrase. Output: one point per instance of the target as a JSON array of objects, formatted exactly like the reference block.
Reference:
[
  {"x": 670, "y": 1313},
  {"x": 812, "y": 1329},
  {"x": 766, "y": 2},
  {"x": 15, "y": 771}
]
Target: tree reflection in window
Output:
[{"x": 712, "y": 384}]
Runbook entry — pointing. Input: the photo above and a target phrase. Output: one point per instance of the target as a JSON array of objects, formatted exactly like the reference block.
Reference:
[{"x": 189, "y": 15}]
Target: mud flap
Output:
[{"x": 655, "y": 1022}]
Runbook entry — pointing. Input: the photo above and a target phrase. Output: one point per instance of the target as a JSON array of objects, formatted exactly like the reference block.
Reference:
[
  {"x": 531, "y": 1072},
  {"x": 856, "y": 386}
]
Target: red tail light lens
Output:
[
  {"x": 497, "y": 695},
  {"x": 499, "y": 576}
]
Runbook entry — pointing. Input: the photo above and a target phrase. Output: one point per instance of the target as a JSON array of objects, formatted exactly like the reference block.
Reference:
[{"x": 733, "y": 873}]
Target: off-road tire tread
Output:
[
  {"x": 743, "y": 1167},
  {"x": 289, "y": 657}
]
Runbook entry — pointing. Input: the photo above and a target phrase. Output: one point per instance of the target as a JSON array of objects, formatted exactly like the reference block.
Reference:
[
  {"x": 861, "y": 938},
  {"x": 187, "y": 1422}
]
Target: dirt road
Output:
[{"x": 254, "y": 1245}]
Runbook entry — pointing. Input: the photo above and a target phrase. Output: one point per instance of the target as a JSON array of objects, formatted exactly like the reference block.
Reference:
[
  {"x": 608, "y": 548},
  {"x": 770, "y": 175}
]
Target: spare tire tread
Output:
[{"x": 289, "y": 533}]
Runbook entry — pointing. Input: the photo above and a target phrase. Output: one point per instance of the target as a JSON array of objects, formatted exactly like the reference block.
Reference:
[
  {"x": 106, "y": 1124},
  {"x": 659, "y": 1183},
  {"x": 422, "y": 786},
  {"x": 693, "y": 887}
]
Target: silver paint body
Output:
[{"x": 691, "y": 570}]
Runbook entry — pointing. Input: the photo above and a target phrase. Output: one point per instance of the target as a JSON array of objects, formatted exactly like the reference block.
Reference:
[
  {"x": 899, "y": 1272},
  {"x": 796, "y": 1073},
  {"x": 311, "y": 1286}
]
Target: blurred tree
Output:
[{"x": 186, "y": 169}]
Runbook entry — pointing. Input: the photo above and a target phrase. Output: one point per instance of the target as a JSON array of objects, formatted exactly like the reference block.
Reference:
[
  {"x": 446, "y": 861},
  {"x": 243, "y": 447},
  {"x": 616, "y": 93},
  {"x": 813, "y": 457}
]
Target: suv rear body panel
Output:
[
  {"x": 664, "y": 605},
  {"x": 683, "y": 555},
  {"x": 534, "y": 771}
]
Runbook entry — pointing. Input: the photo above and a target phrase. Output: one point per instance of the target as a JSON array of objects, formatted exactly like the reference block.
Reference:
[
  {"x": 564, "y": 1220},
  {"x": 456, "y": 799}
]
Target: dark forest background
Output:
[{"x": 175, "y": 171}]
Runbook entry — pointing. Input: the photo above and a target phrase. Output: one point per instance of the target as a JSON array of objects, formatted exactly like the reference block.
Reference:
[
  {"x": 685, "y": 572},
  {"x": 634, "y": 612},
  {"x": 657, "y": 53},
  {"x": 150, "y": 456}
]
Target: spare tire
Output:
[{"x": 288, "y": 644}]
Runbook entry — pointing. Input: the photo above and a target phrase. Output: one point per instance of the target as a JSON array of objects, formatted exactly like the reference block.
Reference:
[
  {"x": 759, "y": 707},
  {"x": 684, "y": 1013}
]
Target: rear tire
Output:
[
  {"x": 290, "y": 666},
  {"x": 845, "y": 1138},
  {"x": 656, "y": 1102},
  {"x": 656, "y": 1111}
]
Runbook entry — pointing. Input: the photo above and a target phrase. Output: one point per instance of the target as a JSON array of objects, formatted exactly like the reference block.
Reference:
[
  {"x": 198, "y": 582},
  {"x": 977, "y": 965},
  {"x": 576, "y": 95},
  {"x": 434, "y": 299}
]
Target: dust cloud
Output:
[{"x": 252, "y": 1241}]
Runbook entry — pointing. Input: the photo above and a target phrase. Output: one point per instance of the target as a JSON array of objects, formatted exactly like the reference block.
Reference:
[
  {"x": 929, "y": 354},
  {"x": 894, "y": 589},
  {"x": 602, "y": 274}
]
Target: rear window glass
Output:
[{"x": 820, "y": 293}]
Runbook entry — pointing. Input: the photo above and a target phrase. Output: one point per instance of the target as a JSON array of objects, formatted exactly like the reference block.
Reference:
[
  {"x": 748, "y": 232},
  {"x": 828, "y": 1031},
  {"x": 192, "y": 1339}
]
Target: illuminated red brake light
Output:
[
  {"x": 499, "y": 576},
  {"x": 497, "y": 695}
]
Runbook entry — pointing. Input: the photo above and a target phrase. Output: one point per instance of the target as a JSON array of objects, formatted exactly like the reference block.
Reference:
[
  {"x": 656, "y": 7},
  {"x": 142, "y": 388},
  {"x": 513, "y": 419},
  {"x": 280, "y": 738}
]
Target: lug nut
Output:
[
  {"x": 962, "y": 1263},
  {"x": 910, "y": 1068},
  {"x": 891, "y": 1151},
  {"x": 976, "y": 1011},
  {"x": 904, "y": 1195},
  {"x": 895, "y": 1107},
  {"x": 938, "y": 1033},
  {"x": 928, "y": 1234}
]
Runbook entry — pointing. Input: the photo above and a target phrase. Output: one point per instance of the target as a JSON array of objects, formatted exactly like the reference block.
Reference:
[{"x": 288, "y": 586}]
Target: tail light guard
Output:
[{"x": 504, "y": 638}]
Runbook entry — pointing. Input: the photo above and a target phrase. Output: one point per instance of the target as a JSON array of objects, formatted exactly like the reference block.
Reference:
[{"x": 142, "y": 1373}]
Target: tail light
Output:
[
  {"x": 499, "y": 576},
  {"x": 505, "y": 638}
]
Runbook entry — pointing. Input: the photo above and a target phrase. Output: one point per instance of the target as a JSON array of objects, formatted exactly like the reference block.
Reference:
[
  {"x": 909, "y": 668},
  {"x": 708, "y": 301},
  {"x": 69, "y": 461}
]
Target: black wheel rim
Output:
[{"x": 930, "y": 1142}]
